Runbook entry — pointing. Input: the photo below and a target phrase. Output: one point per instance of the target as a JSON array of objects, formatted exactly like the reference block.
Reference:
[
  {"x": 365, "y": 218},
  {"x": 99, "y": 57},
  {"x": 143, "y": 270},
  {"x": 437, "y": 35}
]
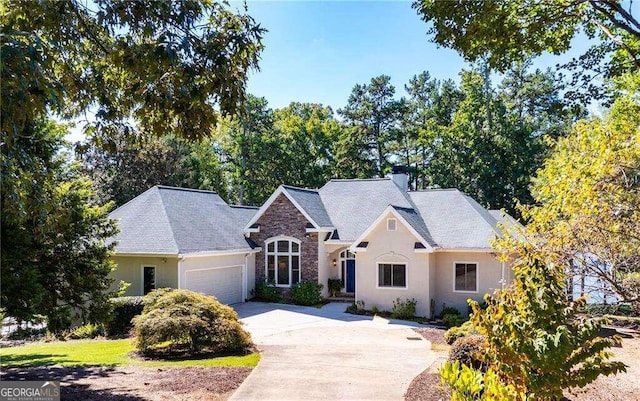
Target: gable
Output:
[
  {"x": 395, "y": 231},
  {"x": 306, "y": 202},
  {"x": 282, "y": 212}
]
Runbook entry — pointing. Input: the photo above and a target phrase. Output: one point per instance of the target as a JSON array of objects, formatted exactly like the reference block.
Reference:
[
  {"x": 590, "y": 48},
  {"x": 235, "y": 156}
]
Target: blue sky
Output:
[{"x": 316, "y": 51}]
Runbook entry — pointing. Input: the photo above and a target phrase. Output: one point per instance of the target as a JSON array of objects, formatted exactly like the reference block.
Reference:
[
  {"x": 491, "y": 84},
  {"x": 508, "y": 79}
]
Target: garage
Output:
[{"x": 225, "y": 283}]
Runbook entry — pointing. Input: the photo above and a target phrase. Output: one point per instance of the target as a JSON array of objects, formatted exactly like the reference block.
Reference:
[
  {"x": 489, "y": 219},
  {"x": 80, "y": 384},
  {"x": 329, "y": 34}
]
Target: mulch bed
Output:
[
  {"x": 137, "y": 383},
  {"x": 427, "y": 385},
  {"x": 433, "y": 334}
]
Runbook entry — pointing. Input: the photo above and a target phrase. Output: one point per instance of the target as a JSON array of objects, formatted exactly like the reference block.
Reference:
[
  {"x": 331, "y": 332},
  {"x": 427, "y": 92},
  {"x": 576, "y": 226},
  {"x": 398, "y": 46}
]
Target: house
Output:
[
  {"x": 184, "y": 238},
  {"x": 383, "y": 241}
]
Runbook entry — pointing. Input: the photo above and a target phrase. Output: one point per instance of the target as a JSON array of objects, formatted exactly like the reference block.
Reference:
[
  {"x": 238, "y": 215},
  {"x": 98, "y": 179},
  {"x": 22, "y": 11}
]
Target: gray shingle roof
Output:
[
  {"x": 353, "y": 205},
  {"x": 417, "y": 223},
  {"x": 310, "y": 201},
  {"x": 454, "y": 219},
  {"x": 177, "y": 220}
]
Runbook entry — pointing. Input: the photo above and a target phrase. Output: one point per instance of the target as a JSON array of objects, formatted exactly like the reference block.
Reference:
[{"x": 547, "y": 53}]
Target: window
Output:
[
  {"x": 392, "y": 275},
  {"x": 466, "y": 277},
  {"x": 283, "y": 262},
  {"x": 148, "y": 279},
  {"x": 391, "y": 224}
]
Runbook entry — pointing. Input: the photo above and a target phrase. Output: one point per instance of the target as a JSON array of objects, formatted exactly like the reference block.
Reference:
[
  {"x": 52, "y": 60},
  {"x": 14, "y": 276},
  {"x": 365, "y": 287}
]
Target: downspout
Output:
[
  {"x": 244, "y": 277},
  {"x": 502, "y": 278}
]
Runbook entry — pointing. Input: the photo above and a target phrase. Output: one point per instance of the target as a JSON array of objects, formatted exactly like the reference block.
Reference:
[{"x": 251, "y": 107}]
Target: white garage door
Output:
[{"x": 223, "y": 283}]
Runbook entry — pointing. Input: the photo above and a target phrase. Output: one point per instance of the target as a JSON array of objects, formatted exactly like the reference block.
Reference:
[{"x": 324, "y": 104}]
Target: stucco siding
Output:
[
  {"x": 392, "y": 247},
  {"x": 129, "y": 270},
  {"x": 489, "y": 276},
  {"x": 323, "y": 267}
]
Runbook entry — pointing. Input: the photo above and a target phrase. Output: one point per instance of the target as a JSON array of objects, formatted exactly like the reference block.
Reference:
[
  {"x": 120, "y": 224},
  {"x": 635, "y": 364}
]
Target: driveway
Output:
[{"x": 326, "y": 354}]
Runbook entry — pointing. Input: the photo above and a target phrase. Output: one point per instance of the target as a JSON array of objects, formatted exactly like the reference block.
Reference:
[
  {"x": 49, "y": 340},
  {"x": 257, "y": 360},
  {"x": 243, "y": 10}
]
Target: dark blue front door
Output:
[{"x": 350, "y": 282}]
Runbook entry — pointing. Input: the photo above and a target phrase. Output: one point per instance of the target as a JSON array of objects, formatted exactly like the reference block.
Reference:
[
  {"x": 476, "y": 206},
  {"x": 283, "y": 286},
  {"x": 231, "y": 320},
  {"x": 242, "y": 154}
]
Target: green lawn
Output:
[{"x": 101, "y": 353}]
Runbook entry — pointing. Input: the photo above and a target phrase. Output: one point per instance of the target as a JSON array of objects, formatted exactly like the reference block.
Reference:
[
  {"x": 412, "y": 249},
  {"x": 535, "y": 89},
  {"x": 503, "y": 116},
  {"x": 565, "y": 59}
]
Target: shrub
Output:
[
  {"x": 530, "y": 327},
  {"x": 306, "y": 293},
  {"x": 449, "y": 310},
  {"x": 469, "y": 384},
  {"x": 335, "y": 286},
  {"x": 182, "y": 320},
  {"x": 356, "y": 308},
  {"x": 451, "y": 335},
  {"x": 453, "y": 320},
  {"x": 375, "y": 310},
  {"x": 268, "y": 292},
  {"x": 124, "y": 309},
  {"x": 404, "y": 309},
  {"x": 466, "y": 350},
  {"x": 86, "y": 331}
]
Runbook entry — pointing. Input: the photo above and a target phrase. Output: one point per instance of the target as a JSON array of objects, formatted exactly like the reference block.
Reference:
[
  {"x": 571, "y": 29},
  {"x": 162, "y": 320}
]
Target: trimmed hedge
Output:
[
  {"x": 124, "y": 309},
  {"x": 268, "y": 292},
  {"x": 306, "y": 293},
  {"x": 178, "y": 321}
]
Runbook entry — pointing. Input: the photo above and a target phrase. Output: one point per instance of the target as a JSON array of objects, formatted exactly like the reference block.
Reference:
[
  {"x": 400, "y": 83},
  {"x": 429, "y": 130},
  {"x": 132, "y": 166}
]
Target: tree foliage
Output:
[
  {"x": 263, "y": 148},
  {"x": 534, "y": 341},
  {"x": 155, "y": 66},
  {"x": 305, "y": 133},
  {"x": 505, "y": 32},
  {"x": 167, "y": 65},
  {"x": 588, "y": 200},
  {"x": 485, "y": 140},
  {"x": 54, "y": 255},
  {"x": 122, "y": 168},
  {"x": 373, "y": 115}
]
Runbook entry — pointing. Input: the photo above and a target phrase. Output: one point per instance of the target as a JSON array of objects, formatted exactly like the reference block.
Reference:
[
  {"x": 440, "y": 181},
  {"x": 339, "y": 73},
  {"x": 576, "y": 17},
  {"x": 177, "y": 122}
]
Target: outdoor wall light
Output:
[{"x": 335, "y": 263}]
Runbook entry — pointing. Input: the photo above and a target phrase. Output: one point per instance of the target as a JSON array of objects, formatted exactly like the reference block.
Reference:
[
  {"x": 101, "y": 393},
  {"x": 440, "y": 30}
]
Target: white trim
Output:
[
  {"x": 218, "y": 253},
  {"x": 406, "y": 276},
  {"x": 337, "y": 242},
  {"x": 276, "y": 254},
  {"x": 245, "y": 276},
  {"x": 281, "y": 190},
  {"x": 146, "y": 254},
  {"x": 320, "y": 230},
  {"x": 479, "y": 250},
  {"x": 477, "y": 276},
  {"x": 155, "y": 277},
  {"x": 395, "y": 224},
  {"x": 384, "y": 214}
]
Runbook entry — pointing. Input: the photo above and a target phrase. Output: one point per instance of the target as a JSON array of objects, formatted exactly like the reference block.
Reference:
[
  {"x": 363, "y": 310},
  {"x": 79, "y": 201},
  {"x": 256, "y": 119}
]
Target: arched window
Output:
[{"x": 283, "y": 261}]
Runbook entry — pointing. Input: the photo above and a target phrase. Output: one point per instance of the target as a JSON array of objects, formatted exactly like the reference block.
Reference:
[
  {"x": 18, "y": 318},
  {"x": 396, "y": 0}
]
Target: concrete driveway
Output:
[{"x": 326, "y": 354}]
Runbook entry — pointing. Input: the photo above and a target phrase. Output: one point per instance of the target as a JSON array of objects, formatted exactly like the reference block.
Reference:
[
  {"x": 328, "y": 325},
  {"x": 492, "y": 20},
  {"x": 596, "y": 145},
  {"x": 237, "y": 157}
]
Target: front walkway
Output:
[{"x": 326, "y": 354}]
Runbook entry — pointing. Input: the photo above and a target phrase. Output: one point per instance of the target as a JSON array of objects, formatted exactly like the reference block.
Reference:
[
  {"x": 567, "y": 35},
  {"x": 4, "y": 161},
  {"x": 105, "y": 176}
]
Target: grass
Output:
[{"x": 101, "y": 353}]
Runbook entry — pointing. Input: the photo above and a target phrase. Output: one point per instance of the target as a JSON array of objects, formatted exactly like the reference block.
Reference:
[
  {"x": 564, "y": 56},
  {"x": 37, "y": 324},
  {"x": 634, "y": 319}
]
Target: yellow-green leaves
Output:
[{"x": 588, "y": 196}]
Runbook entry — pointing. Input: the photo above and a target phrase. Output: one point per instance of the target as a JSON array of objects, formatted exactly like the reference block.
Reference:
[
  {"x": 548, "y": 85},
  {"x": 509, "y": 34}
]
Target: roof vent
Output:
[{"x": 400, "y": 177}]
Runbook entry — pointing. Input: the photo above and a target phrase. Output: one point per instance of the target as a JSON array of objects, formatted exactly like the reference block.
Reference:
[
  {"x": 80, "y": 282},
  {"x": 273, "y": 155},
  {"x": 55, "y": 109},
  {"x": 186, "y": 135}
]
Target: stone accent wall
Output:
[{"x": 283, "y": 218}]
